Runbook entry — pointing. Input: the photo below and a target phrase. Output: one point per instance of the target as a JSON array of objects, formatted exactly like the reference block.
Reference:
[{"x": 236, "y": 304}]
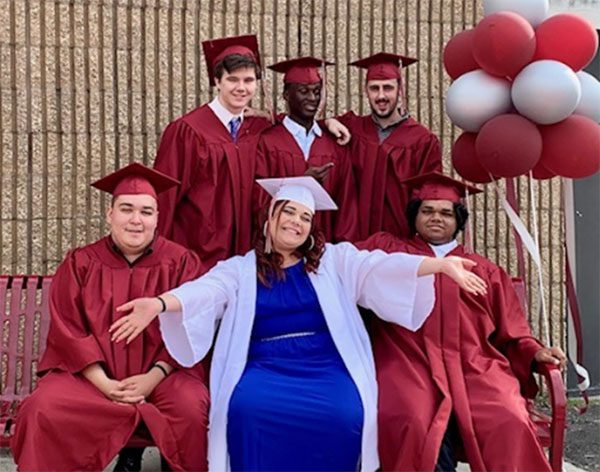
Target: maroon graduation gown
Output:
[
  {"x": 473, "y": 357},
  {"x": 280, "y": 156},
  {"x": 67, "y": 423},
  {"x": 211, "y": 211},
  {"x": 410, "y": 150}
]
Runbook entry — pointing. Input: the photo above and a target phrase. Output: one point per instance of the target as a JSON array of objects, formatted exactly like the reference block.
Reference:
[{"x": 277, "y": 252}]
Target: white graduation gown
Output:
[{"x": 385, "y": 283}]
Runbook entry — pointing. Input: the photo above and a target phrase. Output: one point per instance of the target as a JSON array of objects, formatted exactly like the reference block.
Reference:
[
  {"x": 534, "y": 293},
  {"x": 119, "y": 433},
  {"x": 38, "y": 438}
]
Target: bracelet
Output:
[
  {"x": 158, "y": 366},
  {"x": 164, "y": 305}
]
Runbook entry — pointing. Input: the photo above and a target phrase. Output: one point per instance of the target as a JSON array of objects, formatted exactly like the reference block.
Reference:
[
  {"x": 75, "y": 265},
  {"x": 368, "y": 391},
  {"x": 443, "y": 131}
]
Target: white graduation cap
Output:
[{"x": 304, "y": 190}]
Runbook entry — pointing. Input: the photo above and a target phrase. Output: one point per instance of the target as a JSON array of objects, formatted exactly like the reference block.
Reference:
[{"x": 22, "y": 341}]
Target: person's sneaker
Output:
[{"x": 130, "y": 460}]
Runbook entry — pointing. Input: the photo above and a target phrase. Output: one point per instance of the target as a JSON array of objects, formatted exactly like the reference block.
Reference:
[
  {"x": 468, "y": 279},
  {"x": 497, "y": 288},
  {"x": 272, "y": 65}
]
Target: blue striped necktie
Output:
[{"x": 234, "y": 127}]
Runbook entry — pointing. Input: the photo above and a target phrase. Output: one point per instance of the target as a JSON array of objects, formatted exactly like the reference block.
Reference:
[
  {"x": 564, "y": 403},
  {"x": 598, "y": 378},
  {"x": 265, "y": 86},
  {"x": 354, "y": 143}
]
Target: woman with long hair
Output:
[{"x": 293, "y": 379}]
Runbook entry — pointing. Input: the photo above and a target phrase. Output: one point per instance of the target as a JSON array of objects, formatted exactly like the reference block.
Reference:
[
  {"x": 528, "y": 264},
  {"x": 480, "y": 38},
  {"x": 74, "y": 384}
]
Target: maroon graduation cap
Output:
[
  {"x": 384, "y": 65},
  {"x": 215, "y": 50},
  {"x": 437, "y": 186},
  {"x": 302, "y": 70},
  {"x": 135, "y": 179}
]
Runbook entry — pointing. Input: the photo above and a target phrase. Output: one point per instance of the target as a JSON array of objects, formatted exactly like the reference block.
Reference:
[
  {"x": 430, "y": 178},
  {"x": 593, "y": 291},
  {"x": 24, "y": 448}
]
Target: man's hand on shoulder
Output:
[
  {"x": 249, "y": 111},
  {"x": 337, "y": 129},
  {"x": 551, "y": 355}
]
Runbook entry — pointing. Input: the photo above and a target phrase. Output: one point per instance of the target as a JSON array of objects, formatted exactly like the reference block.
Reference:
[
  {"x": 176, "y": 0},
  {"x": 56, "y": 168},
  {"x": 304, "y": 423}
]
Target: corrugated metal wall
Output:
[{"x": 88, "y": 85}]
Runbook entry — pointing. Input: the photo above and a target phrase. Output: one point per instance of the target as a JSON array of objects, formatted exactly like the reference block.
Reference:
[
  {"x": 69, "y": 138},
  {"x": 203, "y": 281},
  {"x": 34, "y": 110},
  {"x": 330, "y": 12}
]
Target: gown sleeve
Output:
[
  {"x": 189, "y": 268},
  {"x": 431, "y": 155},
  {"x": 179, "y": 152},
  {"x": 188, "y": 334},
  {"x": 71, "y": 345},
  {"x": 513, "y": 335},
  {"x": 348, "y": 119},
  {"x": 260, "y": 198},
  {"x": 346, "y": 219},
  {"x": 386, "y": 284}
]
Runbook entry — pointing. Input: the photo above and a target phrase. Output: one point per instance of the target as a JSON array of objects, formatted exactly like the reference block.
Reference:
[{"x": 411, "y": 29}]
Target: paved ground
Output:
[
  {"x": 152, "y": 463},
  {"x": 583, "y": 438}
]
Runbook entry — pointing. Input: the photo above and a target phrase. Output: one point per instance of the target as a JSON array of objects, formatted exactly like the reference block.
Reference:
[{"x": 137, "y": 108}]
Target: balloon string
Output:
[
  {"x": 541, "y": 295},
  {"x": 531, "y": 243},
  {"x": 470, "y": 227}
]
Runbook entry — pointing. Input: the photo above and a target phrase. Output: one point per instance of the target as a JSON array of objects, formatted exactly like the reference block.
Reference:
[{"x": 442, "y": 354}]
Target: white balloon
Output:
[
  {"x": 476, "y": 97},
  {"x": 534, "y": 11},
  {"x": 589, "y": 105},
  {"x": 546, "y": 92}
]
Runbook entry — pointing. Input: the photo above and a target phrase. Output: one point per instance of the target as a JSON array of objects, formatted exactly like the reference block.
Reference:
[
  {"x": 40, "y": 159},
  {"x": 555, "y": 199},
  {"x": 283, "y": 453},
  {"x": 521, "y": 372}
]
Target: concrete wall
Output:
[{"x": 88, "y": 85}]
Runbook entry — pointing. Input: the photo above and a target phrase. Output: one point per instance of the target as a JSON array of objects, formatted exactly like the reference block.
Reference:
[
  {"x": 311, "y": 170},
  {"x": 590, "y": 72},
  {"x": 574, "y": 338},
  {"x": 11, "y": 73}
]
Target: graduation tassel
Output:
[
  {"x": 266, "y": 232},
  {"x": 322, "y": 110},
  {"x": 469, "y": 228},
  {"x": 403, "y": 105},
  {"x": 268, "y": 245},
  {"x": 268, "y": 102}
]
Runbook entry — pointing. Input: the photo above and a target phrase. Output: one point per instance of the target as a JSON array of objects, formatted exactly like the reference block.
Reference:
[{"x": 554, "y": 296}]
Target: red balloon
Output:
[
  {"x": 568, "y": 38},
  {"x": 571, "y": 148},
  {"x": 503, "y": 43},
  {"x": 541, "y": 172},
  {"x": 508, "y": 145},
  {"x": 464, "y": 160},
  {"x": 458, "y": 54}
]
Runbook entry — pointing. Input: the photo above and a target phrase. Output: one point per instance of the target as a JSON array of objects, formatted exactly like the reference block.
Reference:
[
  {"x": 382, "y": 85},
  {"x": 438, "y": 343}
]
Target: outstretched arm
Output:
[
  {"x": 398, "y": 287},
  {"x": 190, "y": 314},
  {"x": 458, "y": 269}
]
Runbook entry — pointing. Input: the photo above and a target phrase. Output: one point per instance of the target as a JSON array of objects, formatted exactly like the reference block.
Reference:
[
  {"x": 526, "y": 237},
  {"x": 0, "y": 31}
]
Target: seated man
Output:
[
  {"x": 94, "y": 393},
  {"x": 468, "y": 367}
]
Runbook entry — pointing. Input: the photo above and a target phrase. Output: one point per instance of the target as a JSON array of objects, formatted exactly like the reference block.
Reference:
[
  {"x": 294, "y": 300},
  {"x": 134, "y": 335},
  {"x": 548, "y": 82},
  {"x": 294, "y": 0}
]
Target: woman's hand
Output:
[
  {"x": 458, "y": 269},
  {"x": 143, "y": 311}
]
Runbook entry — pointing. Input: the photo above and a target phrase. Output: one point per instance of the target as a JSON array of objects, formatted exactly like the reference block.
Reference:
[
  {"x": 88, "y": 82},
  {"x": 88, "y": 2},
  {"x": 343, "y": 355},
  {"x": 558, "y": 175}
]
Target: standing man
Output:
[
  {"x": 298, "y": 146},
  {"x": 464, "y": 373},
  {"x": 387, "y": 147},
  {"x": 94, "y": 394},
  {"x": 212, "y": 150}
]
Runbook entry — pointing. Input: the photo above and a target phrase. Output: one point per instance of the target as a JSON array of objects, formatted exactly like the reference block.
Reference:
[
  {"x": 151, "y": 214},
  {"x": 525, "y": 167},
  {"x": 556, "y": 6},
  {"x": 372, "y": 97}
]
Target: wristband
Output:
[
  {"x": 158, "y": 366},
  {"x": 164, "y": 305}
]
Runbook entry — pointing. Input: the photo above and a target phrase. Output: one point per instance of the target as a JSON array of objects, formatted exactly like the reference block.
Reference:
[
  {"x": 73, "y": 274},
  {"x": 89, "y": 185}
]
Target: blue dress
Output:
[{"x": 296, "y": 406}]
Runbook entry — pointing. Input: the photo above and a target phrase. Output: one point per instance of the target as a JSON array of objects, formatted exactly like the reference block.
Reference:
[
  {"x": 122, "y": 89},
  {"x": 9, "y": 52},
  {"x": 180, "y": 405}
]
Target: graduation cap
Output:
[
  {"x": 304, "y": 190},
  {"x": 135, "y": 179},
  {"x": 384, "y": 65},
  {"x": 215, "y": 50},
  {"x": 437, "y": 186},
  {"x": 302, "y": 70}
]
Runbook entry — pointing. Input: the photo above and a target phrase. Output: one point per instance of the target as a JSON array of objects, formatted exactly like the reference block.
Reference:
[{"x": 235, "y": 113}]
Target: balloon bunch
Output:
[{"x": 520, "y": 96}]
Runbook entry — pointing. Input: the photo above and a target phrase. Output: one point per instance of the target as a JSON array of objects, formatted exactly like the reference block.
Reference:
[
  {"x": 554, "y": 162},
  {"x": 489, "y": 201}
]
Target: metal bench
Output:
[
  {"x": 25, "y": 322},
  {"x": 24, "y": 301}
]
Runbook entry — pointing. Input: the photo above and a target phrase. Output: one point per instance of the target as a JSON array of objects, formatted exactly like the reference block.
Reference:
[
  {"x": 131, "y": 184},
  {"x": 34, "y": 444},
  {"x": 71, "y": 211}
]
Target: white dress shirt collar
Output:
[
  {"x": 442, "y": 250},
  {"x": 223, "y": 114},
  {"x": 303, "y": 137}
]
